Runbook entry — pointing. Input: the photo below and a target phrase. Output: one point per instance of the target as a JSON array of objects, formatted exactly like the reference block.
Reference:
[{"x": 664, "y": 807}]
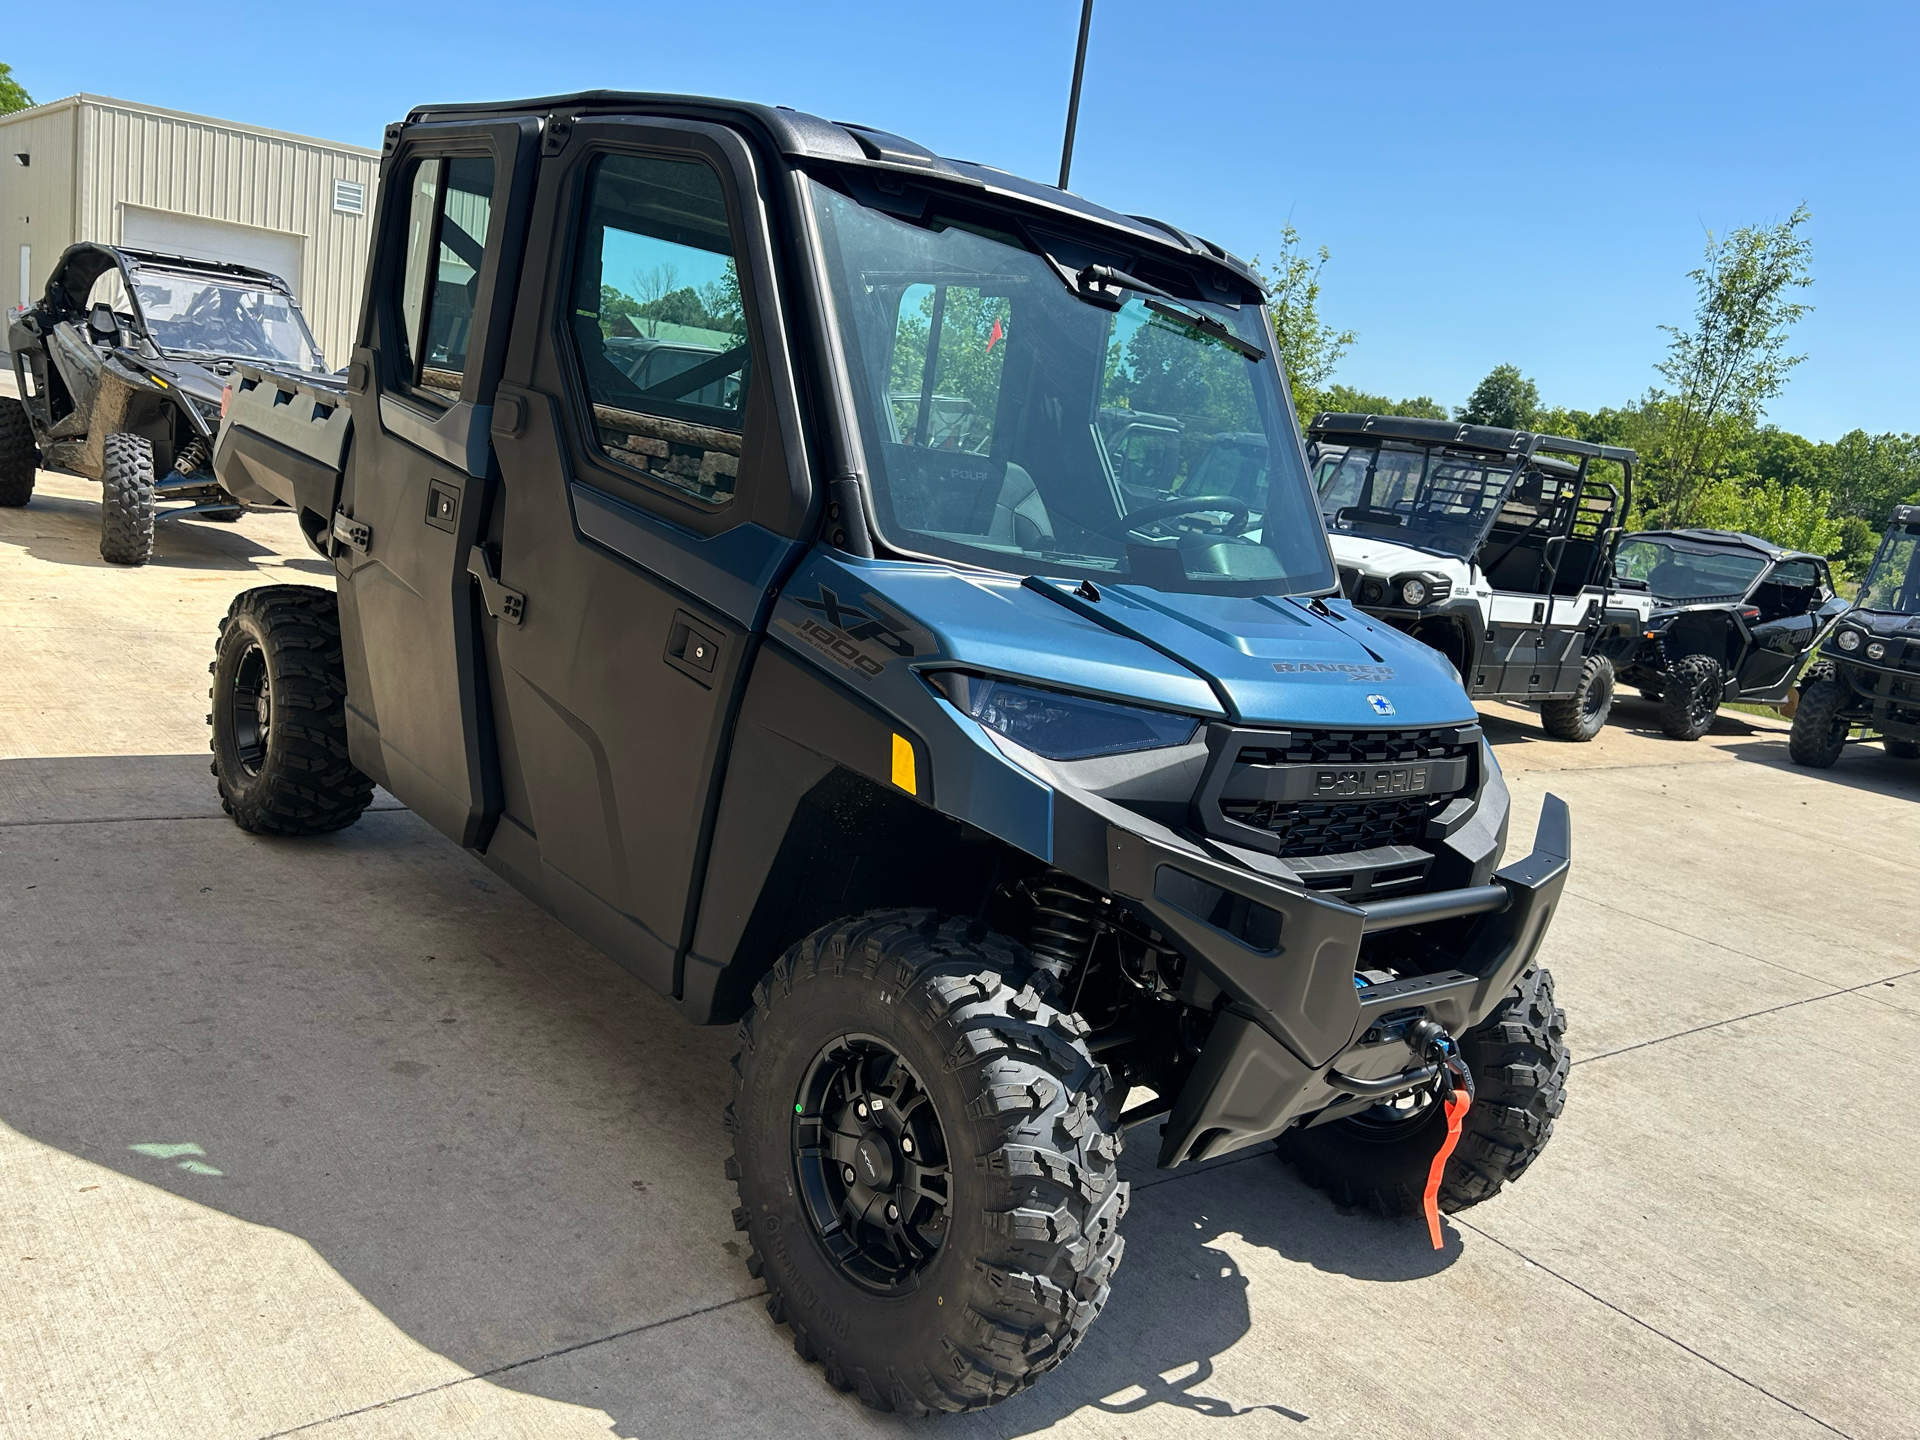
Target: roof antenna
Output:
[{"x": 1073, "y": 101}]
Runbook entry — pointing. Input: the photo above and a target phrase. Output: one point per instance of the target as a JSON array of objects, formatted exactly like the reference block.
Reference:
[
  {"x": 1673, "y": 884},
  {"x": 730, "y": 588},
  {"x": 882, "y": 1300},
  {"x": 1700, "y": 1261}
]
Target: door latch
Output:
[
  {"x": 354, "y": 534},
  {"x": 503, "y": 602}
]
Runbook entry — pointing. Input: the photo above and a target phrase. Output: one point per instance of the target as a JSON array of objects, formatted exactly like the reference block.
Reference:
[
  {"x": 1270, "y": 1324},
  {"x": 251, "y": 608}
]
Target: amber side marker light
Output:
[{"x": 903, "y": 765}]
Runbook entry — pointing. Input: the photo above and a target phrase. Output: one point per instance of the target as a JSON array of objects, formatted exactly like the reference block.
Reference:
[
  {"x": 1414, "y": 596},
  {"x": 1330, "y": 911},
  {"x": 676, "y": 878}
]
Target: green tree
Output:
[
  {"x": 1310, "y": 349},
  {"x": 1732, "y": 361},
  {"x": 1870, "y": 474},
  {"x": 1359, "y": 402},
  {"x": 1505, "y": 398},
  {"x": 13, "y": 95}
]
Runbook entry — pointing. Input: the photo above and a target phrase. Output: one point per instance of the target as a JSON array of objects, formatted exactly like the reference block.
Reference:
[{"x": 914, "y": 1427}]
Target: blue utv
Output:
[{"x": 879, "y": 601}]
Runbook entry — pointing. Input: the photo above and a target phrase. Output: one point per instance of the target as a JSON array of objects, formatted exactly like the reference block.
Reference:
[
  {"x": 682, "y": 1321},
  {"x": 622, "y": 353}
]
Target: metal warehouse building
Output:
[{"x": 90, "y": 168}]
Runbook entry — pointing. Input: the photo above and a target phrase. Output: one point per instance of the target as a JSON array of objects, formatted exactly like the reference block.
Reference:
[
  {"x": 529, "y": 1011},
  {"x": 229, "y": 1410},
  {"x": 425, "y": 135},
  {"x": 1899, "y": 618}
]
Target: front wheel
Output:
[
  {"x": 127, "y": 501},
  {"x": 1820, "y": 724},
  {"x": 19, "y": 457},
  {"x": 1378, "y": 1160},
  {"x": 279, "y": 715},
  {"x": 927, "y": 1162},
  {"x": 1690, "y": 696},
  {"x": 1582, "y": 714}
]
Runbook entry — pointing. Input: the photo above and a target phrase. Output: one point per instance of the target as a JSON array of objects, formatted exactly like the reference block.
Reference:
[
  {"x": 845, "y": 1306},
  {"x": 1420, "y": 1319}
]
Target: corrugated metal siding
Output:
[
  {"x": 36, "y": 200},
  {"x": 191, "y": 165}
]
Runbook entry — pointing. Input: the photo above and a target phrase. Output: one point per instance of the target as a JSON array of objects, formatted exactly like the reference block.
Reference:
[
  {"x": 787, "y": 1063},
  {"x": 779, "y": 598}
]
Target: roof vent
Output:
[{"x": 349, "y": 197}]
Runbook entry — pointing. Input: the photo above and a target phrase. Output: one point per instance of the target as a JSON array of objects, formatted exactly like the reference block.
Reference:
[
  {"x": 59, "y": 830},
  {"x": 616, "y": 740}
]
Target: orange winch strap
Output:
[{"x": 1457, "y": 1104}]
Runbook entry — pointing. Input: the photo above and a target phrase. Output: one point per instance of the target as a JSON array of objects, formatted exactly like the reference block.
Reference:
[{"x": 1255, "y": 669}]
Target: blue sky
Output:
[{"x": 1497, "y": 182}]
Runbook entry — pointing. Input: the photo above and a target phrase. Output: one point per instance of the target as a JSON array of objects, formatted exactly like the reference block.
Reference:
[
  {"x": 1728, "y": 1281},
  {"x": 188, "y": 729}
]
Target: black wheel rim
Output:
[
  {"x": 1392, "y": 1120},
  {"x": 252, "y": 709},
  {"x": 1594, "y": 700},
  {"x": 1706, "y": 702},
  {"x": 871, "y": 1161}
]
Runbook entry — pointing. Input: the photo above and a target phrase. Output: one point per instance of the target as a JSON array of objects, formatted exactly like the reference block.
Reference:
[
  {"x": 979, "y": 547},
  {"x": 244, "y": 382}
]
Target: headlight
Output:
[
  {"x": 1849, "y": 640},
  {"x": 1876, "y": 651},
  {"x": 1414, "y": 591},
  {"x": 1062, "y": 726}
]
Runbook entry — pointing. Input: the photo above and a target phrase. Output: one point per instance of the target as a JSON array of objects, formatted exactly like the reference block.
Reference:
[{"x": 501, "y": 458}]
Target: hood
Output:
[
  {"x": 1383, "y": 557},
  {"x": 1255, "y": 660}
]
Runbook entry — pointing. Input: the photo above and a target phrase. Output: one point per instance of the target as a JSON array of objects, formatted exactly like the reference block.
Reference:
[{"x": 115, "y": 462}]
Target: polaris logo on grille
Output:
[{"x": 1379, "y": 780}]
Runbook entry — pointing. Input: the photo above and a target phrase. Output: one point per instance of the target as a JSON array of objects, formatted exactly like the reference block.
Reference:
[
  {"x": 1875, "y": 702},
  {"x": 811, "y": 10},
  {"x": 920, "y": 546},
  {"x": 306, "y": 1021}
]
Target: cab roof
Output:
[
  {"x": 1492, "y": 438},
  {"x": 801, "y": 137},
  {"x": 1728, "y": 539}
]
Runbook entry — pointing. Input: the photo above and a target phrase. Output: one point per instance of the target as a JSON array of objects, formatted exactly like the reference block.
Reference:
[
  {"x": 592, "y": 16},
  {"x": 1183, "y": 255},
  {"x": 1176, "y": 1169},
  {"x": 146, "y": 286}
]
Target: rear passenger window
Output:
[
  {"x": 450, "y": 202},
  {"x": 658, "y": 325}
]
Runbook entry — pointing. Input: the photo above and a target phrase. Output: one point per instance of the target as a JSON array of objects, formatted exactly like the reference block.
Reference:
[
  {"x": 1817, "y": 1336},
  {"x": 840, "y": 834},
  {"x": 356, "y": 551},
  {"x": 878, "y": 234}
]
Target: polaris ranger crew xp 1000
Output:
[
  {"x": 844, "y": 676},
  {"x": 1493, "y": 546}
]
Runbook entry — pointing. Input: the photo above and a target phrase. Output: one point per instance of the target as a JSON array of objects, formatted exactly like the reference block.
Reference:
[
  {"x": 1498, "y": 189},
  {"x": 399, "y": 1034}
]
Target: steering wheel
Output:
[{"x": 1180, "y": 505}]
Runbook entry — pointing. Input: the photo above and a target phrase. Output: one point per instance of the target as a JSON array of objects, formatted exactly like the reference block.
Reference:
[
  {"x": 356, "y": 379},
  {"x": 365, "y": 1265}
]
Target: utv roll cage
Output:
[{"x": 1572, "y": 549}]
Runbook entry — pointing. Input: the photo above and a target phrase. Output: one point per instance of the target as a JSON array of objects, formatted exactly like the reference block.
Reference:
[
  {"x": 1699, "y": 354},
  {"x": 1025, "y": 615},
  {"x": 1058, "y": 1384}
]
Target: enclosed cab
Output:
[
  {"x": 121, "y": 367},
  {"x": 943, "y": 675},
  {"x": 1493, "y": 546},
  {"x": 1868, "y": 674}
]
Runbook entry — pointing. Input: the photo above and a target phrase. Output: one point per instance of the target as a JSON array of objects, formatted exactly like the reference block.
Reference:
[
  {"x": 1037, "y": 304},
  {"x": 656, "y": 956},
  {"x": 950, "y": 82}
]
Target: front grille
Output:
[
  {"x": 1314, "y": 829},
  {"x": 1309, "y": 827}
]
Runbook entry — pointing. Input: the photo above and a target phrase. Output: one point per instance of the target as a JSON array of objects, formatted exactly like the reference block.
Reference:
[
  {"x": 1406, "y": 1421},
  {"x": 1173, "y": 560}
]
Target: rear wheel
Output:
[
  {"x": 19, "y": 458},
  {"x": 927, "y": 1162},
  {"x": 279, "y": 715},
  {"x": 1820, "y": 725},
  {"x": 1378, "y": 1160},
  {"x": 1690, "y": 696},
  {"x": 126, "y": 501},
  {"x": 1582, "y": 714},
  {"x": 1902, "y": 749}
]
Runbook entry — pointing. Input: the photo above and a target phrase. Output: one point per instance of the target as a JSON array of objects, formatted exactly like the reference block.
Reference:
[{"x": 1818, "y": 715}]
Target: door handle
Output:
[{"x": 503, "y": 602}]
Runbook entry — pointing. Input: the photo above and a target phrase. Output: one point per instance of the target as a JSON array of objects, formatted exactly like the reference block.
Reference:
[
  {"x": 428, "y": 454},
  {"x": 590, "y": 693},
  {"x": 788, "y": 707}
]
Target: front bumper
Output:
[{"x": 1296, "y": 1036}]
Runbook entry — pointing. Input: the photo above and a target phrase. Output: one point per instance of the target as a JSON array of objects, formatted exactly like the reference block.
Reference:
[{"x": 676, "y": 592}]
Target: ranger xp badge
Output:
[{"x": 1381, "y": 705}]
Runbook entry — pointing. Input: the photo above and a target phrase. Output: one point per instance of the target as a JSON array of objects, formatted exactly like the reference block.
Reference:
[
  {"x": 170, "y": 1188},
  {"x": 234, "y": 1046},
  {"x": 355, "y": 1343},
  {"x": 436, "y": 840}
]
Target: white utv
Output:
[{"x": 1493, "y": 546}]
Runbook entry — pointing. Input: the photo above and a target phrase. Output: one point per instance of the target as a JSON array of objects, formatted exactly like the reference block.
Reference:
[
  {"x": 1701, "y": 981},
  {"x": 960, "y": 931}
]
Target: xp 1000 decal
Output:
[{"x": 860, "y": 638}]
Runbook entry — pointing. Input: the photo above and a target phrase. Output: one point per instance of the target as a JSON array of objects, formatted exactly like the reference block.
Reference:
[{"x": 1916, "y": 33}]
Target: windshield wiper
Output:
[
  {"x": 1206, "y": 325},
  {"x": 1101, "y": 285}
]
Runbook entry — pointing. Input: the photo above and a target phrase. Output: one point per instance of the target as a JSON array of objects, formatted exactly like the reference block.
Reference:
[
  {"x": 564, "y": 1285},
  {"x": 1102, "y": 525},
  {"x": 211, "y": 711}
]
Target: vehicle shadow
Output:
[
  {"x": 502, "y": 1142},
  {"x": 1180, "y": 1301},
  {"x": 1863, "y": 765},
  {"x": 65, "y": 530}
]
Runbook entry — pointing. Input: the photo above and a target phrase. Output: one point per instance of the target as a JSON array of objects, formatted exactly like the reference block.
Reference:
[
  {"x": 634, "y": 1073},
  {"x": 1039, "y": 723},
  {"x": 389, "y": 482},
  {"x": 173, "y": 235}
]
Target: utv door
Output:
[
  {"x": 1789, "y": 602},
  {"x": 445, "y": 267},
  {"x": 1536, "y": 639},
  {"x": 649, "y": 505}
]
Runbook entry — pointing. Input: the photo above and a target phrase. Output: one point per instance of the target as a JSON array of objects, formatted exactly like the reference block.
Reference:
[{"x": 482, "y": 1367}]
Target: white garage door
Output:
[{"x": 202, "y": 239}]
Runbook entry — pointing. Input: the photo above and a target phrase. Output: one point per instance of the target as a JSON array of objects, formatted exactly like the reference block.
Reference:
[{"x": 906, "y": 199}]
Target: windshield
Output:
[
  {"x": 1441, "y": 500},
  {"x": 200, "y": 316},
  {"x": 1893, "y": 582},
  {"x": 1010, "y": 424},
  {"x": 1675, "y": 570}
]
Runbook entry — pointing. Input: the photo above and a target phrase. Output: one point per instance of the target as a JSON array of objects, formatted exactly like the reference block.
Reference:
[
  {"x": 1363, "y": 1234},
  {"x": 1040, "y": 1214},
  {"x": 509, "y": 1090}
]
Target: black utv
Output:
[
  {"x": 120, "y": 368},
  {"x": 1868, "y": 673},
  {"x": 812, "y": 645},
  {"x": 1734, "y": 618}
]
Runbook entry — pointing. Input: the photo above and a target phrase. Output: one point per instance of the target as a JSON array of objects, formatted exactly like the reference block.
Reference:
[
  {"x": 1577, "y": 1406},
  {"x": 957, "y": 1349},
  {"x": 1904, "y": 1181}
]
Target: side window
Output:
[
  {"x": 944, "y": 386},
  {"x": 449, "y": 204},
  {"x": 658, "y": 325}
]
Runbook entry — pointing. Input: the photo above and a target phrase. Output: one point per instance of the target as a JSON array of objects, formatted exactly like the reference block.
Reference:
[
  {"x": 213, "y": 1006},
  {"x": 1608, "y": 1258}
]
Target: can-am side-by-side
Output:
[
  {"x": 914, "y": 640},
  {"x": 120, "y": 368}
]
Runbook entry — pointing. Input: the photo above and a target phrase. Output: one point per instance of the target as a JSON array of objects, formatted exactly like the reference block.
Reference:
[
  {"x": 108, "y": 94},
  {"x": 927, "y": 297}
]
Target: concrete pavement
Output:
[{"x": 341, "y": 1138}]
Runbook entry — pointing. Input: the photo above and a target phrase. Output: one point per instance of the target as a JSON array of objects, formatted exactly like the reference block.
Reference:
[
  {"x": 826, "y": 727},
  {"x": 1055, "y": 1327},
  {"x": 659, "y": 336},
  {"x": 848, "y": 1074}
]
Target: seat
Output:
[
  {"x": 103, "y": 326},
  {"x": 1019, "y": 514}
]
